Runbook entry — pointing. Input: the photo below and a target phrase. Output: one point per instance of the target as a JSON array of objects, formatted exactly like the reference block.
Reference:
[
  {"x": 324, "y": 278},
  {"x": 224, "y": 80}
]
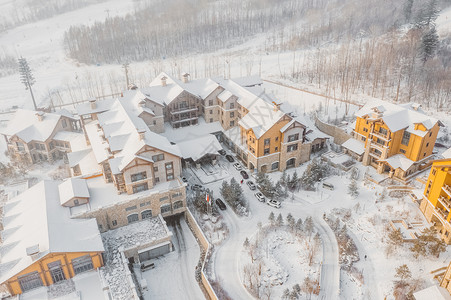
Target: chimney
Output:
[
  {"x": 93, "y": 103},
  {"x": 40, "y": 115},
  {"x": 185, "y": 78},
  {"x": 33, "y": 251},
  {"x": 163, "y": 81},
  {"x": 142, "y": 134},
  {"x": 276, "y": 106}
]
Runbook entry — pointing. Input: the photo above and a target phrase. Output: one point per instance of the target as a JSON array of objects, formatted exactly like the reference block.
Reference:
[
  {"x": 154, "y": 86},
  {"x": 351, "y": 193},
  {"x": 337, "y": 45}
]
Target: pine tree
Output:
[
  {"x": 27, "y": 78},
  {"x": 291, "y": 221},
  {"x": 429, "y": 43},
  {"x": 246, "y": 243},
  {"x": 271, "y": 218},
  {"x": 279, "y": 220},
  {"x": 353, "y": 189},
  {"x": 294, "y": 182},
  {"x": 284, "y": 179},
  {"x": 427, "y": 14},
  {"x": 308, "y": 226},
  {"x": 279, "y": 192},
  {"x": 299, "y": 226}
]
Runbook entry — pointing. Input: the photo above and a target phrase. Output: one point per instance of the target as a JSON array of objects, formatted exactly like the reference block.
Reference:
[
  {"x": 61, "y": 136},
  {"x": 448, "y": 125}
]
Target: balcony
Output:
[
  {"x": 445, "y": 202},
  {"x": 442, "y": 214},
  {"x": 381, "y": 136},
  {"x": 184, "y": 110},
  {"x": 183, "y": 120},
  {"x": 447, "y": 189},
  {"x": 378, "y": 146}
]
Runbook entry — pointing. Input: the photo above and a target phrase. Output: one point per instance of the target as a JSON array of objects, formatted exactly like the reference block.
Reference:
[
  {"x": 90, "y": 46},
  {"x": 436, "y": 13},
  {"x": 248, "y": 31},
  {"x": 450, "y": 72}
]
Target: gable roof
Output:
[
  {"x": 73, "y": 188},
  {"x": 36, "y": 219},
  {"x": 398, "y": 117},
  {"x": 26, "y": 125}
]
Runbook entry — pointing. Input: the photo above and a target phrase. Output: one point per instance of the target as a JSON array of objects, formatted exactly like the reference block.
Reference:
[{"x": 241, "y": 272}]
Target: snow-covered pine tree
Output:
[
  {"x": 429, "y": 43},
  {"x": 353, "y": 189}
]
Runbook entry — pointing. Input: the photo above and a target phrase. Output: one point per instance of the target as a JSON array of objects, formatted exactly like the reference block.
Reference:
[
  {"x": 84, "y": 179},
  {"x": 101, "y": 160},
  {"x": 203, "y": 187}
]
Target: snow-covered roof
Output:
[
  {"x": 433, "y": 292},
  {"x": 35, "y": 218},
  {"x": 85, "y": 160},
  {"x": 248, "y": 81},
  {"x": 261, "y": 119},
  {"x": 225, "y": 95},
  {"x": 199, "y": 147},
  {"x": 311, "y": 132},
  {"x": 447, "y": 154},
  {"x": 356, "y": 146},
  {"x": 399, "y": 161},
  {"x": 27, "y": 126},
  {"x": 67, "y": 136},
  {"x": 100, "y": 106},
  {"x": 119, "y": 133},
  {"x": 398, "y": 117},
  {"x": 73, "y": 188}
]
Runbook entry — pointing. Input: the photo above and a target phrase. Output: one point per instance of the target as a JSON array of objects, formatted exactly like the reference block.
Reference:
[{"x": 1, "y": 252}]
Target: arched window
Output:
[
  {"x": 178, "y": 204},
  {"x": 165, "y": 208},
  {"x": 146, "y": 214},
  {"x": 132, "y": 218}
]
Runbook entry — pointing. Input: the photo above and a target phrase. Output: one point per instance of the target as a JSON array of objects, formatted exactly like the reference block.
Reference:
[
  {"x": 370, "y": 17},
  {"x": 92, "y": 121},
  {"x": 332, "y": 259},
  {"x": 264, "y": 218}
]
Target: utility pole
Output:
[{"x": 125, "y": 66}]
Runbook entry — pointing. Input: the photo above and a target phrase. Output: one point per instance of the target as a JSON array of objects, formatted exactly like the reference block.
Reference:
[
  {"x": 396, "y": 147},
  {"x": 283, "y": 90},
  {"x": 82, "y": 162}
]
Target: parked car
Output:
[
  {"x": 251, "y": 185},
  {"x": 220, "y": 204},
  {"x": 238, "y": 166},
  {"x": 244, "y": 174},
  {"x": 222, "y": 152},
  {"x": 229, "y": 158},
  {"x": 260, "y": 197},
  {"x": 328, "y": 186},
  {"x": 273, "y": 203},
  {"x": 196, "y": 187},
  {"x": 184, "y": 179}
]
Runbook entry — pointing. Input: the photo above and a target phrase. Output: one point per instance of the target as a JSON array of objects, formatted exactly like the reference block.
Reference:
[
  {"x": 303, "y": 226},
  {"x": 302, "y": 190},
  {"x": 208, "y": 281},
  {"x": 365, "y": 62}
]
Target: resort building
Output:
[
  {"x": 41, "y": 244},
  {"x": 436, "y": 203},
  {"x": 34, "y": 136},
  {"x": 397, "y": 139}
]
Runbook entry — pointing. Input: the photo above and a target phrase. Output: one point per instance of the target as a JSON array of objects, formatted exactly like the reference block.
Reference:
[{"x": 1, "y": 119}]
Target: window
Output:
[
  {"x": 266, "y": 151},
  {"x": 232, "y": 105},
  {"x": 277, "y": 138},
  {"x": 168, "y": 166},
  {"x": 381, "y": 142},
  {"x": 276, "y": 149},
  {"x": 132, "y": 218},
  {"x": 211, "y": 120},
  {"x": 164, "y": 198},
  {"x": 365, "y": 129},
  {"x": 20, "y": 146},
  {"x": 210, "y": 102},
  {"x": 383, "y": 131},
  {"x": 155, "y": 169},
  {"x": 424, "y": 154},
  {"x": 275, "y": 166},
  {"x": 169, "y": 177},
  {"x": 64, "y": 123},
  {"x": 434, "y": 171},
  {"x": 56, "y": 271},
  {"x": 293, "y": 137},
  {"x": 154, "y": 122},
  {"x": 114, "y": 222},
  {"x": 76, "y": 202},
  {"x": 402, "y": 151},
  {"x": 30, "y": 281},
  {"x": 138, "y": 176},
  {"x": 232, "y": 114},
  {"x": 267, "y": 141},
  {"x": 427, "y": 144},
  {"x": 158, "y": 157},
  {"x": 130, "y": 208},
  {"x": 82, "y": 264},
  {"x": 291, "y": 148},
  {"x": 165, "y": 208},
  {"x": 146, "y": 214},
  {"x": 232, "y": 123},
  {"x": 175, "y": 195},
  {"x": 144, "y": 204},
  {"x": 405, "y": 138},
  {"x": 211, "y": 111},
  {"x": 363, "y": 138},
  {"x": 430, "y": 134},
  {"x": 157, "y": 179},
  {"x": 140, "y": 187},
  {"x": 178, "y": 204}
]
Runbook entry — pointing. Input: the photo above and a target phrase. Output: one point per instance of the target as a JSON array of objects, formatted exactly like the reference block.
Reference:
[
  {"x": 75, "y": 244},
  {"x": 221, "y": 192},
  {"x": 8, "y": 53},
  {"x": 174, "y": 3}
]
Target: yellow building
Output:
[
  {"x": 436, "y": 203},
  {"x": 41, "y": 245},
  {"x": 398, "y": 139}
]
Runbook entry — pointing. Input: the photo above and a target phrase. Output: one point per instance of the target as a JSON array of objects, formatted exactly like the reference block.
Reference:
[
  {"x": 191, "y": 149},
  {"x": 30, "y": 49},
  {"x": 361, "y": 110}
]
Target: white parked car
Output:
[
  {"x": 273, "y": 203},
  {"x": 238, "y": 166},
  {"x": 260, "y": 197},
  {"x": 251, "y": 185}
]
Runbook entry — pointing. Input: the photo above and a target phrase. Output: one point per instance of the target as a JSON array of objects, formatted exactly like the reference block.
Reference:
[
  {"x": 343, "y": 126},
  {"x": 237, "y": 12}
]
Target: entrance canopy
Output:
[{"x": 197, "y": 148}]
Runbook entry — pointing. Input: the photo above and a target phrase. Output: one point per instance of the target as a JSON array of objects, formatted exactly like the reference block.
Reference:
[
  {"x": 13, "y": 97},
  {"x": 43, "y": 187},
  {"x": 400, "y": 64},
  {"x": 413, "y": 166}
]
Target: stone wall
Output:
[
  {"x": 340, "y": 136},
  {"x": 205, "y": 245}
]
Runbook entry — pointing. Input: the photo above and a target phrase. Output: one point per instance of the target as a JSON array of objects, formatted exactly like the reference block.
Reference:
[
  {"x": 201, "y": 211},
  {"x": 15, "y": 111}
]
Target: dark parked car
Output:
[
  {"x": 196, "y": 187},
  {"x": 229, "y": 158},
  {"x": 244, "y": 174},
  {"x": 222, "y": 152},
  {"x": 184, "y": 179},
  {"x": 220, "y": 204}
]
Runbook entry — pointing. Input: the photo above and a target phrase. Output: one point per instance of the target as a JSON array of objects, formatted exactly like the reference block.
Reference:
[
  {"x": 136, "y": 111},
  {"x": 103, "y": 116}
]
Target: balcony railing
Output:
[
  {"x": 380, "y": 135},
  {"x": 184, "y": 110},
  {"x": 447, "y": 189},
  {"x": 445, "y": 202},
  {"x": 183, "y": 120},
  {"x": 443, "y": 214}
]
